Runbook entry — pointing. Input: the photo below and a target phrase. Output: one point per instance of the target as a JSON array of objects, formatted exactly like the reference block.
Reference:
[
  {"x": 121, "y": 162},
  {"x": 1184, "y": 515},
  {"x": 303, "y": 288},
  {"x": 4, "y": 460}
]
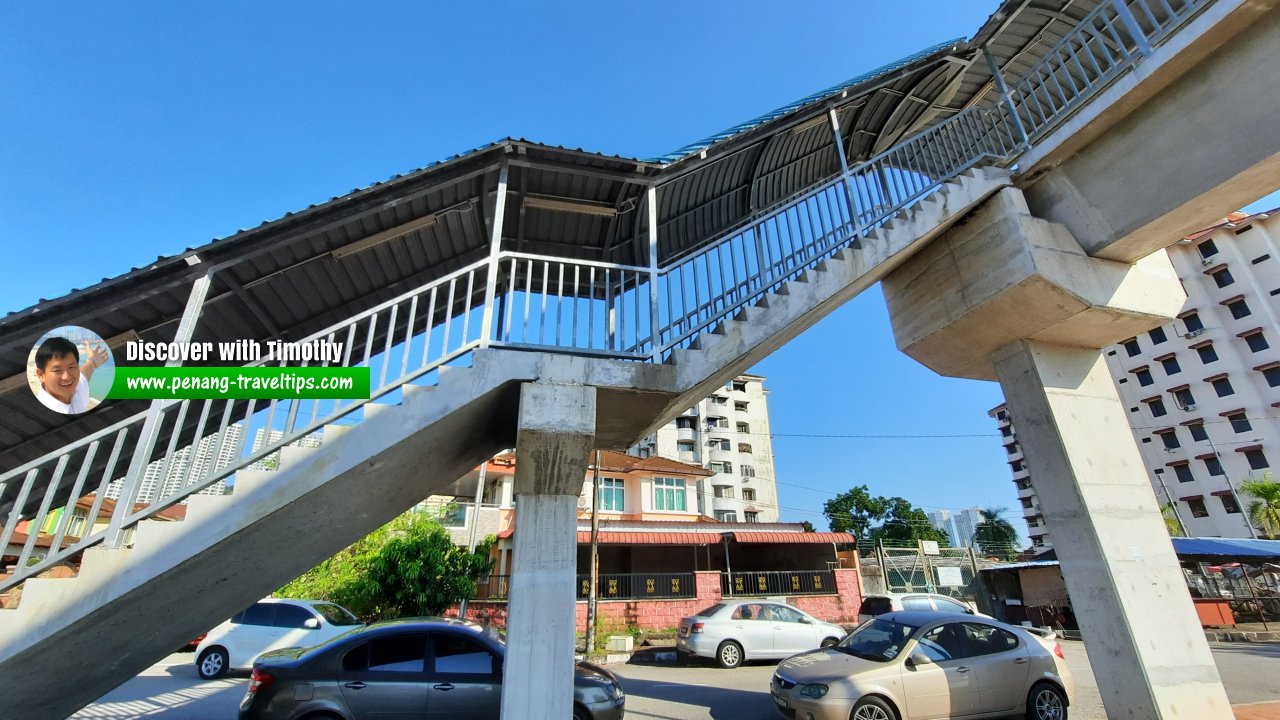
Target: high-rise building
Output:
[
  {"x": 727, "y": 433},
  {"x": 186, "y": 468},
  {"x": 1201, "y": 391},
  {"x": 959, "y": 525},
  {"x": 262, "y": 438}
]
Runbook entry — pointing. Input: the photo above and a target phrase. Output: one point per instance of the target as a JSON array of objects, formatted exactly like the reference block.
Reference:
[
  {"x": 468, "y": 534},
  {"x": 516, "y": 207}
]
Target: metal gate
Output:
[{"x": 928, "y": 568}]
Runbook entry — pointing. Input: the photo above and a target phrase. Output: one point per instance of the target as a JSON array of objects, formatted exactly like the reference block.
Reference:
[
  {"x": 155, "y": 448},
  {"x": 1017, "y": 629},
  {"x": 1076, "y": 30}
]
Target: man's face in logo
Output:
[{"x": 60, "y": 377}]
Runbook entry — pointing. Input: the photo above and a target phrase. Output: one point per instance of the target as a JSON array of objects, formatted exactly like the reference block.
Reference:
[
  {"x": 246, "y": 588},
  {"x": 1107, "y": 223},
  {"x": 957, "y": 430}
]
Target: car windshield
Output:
[
  {"x": 708, "y": 612},
  {"x": 336, "y": 615},
  {"x": 879, "y": 640}
]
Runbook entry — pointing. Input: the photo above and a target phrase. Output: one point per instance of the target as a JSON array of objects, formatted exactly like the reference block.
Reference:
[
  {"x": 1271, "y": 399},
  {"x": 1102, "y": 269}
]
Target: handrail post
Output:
[
  {"x": 495, "y": 254},
  {"x": 1008, "y": 98},
  {"x": 844, "y": 174},
  {"x": 147, "y": 437},
  {"x": 1131, "y": 24},
  {"x": 651, "y": 196}
]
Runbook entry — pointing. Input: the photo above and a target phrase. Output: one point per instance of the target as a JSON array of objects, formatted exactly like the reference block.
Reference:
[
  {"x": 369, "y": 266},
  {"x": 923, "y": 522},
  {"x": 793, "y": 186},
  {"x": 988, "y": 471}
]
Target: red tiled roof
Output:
[
  {"x": 620, "y": 537},
  {"x": 792, "y": 538}
]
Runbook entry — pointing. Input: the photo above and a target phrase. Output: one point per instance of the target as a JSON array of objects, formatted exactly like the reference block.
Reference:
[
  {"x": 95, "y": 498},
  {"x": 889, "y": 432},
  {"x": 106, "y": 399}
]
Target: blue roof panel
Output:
[
  {"x": 879, "y": 72},
  {"x": 1228, "y": 547}
]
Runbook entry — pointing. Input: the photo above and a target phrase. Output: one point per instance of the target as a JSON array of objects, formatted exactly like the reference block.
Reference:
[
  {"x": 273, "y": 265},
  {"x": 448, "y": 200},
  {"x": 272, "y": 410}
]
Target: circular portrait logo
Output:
[{"x": 70, "y": 370}]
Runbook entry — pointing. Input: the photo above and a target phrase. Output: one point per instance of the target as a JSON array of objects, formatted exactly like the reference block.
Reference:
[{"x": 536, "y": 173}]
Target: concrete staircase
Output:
[{"x": 70, "y": 640}]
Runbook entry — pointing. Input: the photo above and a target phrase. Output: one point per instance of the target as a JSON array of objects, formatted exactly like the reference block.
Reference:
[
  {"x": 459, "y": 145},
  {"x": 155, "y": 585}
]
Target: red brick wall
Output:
[{"x": 840, "y": 607}]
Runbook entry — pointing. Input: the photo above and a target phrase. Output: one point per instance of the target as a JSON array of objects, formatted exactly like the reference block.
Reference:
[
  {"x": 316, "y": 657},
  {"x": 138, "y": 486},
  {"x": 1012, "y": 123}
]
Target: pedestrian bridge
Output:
[{"x": 1012, "y": 191}]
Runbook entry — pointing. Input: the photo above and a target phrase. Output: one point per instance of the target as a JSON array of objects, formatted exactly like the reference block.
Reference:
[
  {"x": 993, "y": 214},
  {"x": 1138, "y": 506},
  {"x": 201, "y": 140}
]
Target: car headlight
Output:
[
  {"x": 615, "y": 691},
  {"x": 813, "y": 690}
]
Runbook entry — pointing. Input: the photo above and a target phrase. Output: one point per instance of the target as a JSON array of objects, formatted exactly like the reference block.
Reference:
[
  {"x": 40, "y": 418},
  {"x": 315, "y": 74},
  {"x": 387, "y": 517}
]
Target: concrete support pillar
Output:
[
  {"x": 1005, "y": 296},
  {"x": 1145, "y": 643},
  {"x": 553, "y": 442}
]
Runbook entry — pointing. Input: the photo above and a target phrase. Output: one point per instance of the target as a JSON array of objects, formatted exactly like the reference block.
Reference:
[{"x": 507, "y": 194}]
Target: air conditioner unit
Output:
[
  {"x": 1189, "y": 408},
  {"x": 1193, "y": 333},
  {"x": 582, "y": 501},
  {"x": 1206, "y": 261}
]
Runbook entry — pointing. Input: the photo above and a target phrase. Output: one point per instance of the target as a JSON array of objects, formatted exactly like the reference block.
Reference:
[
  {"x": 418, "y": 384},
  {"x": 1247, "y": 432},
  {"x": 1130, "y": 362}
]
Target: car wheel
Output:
[
  {"x": 1046, "y": 702},
  {"x": 829, "y": 642},
  {"x": 729, "y": 654},
  {"x": 212, "y": 663},
  {"x": 873, "y": 708}
]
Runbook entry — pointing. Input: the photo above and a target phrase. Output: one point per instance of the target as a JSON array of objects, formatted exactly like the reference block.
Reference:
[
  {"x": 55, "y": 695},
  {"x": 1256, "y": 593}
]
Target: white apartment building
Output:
[
  {"x": 959, "y": 525},
  {"x": 262, "y": 438},
  {"x": 1201, "y": 392},
  {"x": 184, "y": 467},
  {"x": 727, "y": 433}
]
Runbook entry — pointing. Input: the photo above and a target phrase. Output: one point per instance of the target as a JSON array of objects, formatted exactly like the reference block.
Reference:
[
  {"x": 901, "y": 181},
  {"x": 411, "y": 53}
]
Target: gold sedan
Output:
[{"x": 927, "y": 666}]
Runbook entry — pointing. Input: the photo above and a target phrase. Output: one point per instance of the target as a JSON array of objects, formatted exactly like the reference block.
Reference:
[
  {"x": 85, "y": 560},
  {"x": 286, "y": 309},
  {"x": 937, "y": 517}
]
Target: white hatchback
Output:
[
  {"x": 732, "y": 632},
  {"x": 269, "y": 624}
]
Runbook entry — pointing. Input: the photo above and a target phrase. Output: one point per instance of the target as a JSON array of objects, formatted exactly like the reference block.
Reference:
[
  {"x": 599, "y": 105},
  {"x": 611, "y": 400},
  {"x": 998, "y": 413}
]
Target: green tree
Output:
[
  {"x": 408, "y": 567},
  {"x": 869, "y": 517},
  {"x": 994, "y": 536},
  {"x": 808, "y": 526},
  {"x": 1264, "y": 509}
]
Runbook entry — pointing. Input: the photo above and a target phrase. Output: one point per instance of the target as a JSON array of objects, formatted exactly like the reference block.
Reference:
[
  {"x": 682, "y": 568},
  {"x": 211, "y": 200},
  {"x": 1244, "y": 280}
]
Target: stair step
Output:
[
  {"x": 157, "y": 533},
  {"x": 333, "y": 431},
  {"x": 411, "y": 390},
  {"x": 252, "y": 477},
  {"x": 372, "y": 410},
  {"x": 203, "y": 506}
]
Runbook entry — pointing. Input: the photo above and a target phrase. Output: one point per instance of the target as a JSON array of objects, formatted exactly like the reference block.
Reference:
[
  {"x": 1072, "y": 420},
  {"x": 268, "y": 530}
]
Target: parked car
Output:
[
  {"x": 877, "y": 605},
  {"x": 417, "y": 667},
  {"x": 267, "y": 625},
  {"x": 733, "y": 632},
  {"x": 924, "y": 665}
]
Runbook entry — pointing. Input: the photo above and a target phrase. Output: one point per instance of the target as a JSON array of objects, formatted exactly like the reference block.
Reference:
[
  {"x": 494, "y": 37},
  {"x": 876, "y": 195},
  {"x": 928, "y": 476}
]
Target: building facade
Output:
[
  {"x": 959, "y": 525},
  {"x": 159, "y": 481},
  {"x": 727, "y": 433},
  {"x": 1201, "y": 392}
]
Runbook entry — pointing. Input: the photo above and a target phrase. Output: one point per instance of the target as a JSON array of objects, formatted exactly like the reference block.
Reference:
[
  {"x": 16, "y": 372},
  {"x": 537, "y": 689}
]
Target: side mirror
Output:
[
  {"x": 806, "y": 621},
  {"x": 968, "y": 611},
  {"x": 311, "y": 624},
  {"x": 918, "y": 658}
]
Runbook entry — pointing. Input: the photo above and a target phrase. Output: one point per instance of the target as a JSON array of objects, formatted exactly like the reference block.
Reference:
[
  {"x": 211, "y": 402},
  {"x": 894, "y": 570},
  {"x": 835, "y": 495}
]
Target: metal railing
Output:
[
  {"x": 640, "y": 586},
  {"x": 178, "y": 448},
  {"x": 778, "y": 582}
]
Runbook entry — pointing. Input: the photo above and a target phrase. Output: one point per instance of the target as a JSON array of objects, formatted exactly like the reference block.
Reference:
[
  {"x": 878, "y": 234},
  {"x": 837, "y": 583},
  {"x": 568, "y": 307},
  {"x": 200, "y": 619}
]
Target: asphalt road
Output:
[{"x": 171, "y": 689}]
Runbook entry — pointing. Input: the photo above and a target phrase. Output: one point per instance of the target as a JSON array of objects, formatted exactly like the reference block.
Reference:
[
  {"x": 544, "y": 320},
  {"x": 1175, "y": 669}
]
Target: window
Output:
[
  {"x": 291, "y": 616},
  {"x": 1184, "y": 398},
  {"x": 1198, "y": 432},
  {"x": 1272, "y": 375},
  {"x": 257, "y": 614},
  {"x": 1017, "y": 465},
  {"x": 1006, "y": 431},
  {"x": 751, "y": 516},
  {"x": 1003, "y": 415},
  {"x": 1261, "y": 258},
  {"x": 1193, "y": 323},
  {"x": 740, "y": 406},
  {"x": 988, "y": 640},
  {"x": 1222, "y": 277},
  {"x": 717, "y": 422},
  {"x": 1170, "y": 440},
  {"x": 686, "y": 446},
  {"x": 1207, "y": 353},
  {"x": 336, "y": 615},
  {"x": 748, "y": 471},
  {"x": 1239, "y": 308},
  {"x": 744, "y": 447},
  {"x": 917, "y": 603},
  {"x": 1229, "y": 504},
  {"x": 723, "y": 491},
  {"x": 1026, "y": 503},
  {"x": 644, "y": 452},
  {"x": 1171, "y": 365},
  {"x": 727, "y": 516},
  {"x": 739, "y": 386},
  {"x": 453, "y": 515},
  {"x": 1257, "y": 341},
  {"x": 1158, "y": 336},
  {"x": 1011, "y": 448},
  {"x": 717, "y": 400},
  {"x": 1239, "y": 422},
  {"x": 686, "y": 423},
  {"x": 1196, "y": 505},
  {"x": 945, "y": 642},
  {"x": 1157, "y": 408},
  {"x": 669, "y": 494},
  {"x": 744, "y": 428},
  {"x": 1257, "y": 460},
  {"x": 1131, "y": 347},
  {"x": 1144, "y": 377},
  {"x": 718, "y": 444},
  {"x": 748, "y": 494},
  {"x": 1207, "y": 249},
  {"x": 458, "y": 655},
  {"x": 1183, "y": 471},
  {"x": 390, "y": 653},
  {"x": 720, "y": 466},
  {"x": 613, "y": 494},
  {"x": 1222, "y": 386},
  {"x": 1214, "y": 466}
]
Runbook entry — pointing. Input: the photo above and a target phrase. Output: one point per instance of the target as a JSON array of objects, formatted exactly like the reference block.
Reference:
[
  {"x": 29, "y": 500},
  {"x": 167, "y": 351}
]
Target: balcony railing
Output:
[
  {"x": 640, "y": 586},
  {"x": 778, "y": 582}
]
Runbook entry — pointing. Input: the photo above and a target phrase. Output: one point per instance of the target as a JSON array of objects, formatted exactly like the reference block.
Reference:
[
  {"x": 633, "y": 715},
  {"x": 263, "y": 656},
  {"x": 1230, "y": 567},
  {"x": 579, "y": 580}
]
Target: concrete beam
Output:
[
  {"x": 1001, "y": 275},
  {"x": 1183, "y": 139},
  {"x": 553, "y": 441},
  {"x": 1148, "y": 652}
]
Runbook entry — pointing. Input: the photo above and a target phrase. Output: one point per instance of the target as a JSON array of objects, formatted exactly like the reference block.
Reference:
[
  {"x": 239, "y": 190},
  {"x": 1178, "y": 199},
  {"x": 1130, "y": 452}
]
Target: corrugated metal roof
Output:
[
  {"x": 792, "y": 538},
  {"x": 1224, "y": 548}
]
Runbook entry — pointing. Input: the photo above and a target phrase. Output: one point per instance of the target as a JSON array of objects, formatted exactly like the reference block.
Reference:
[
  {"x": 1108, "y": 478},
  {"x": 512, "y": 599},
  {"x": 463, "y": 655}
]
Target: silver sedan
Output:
[
  {"x": 733, "y": 632},
  {"x": 927, "y": 666}
]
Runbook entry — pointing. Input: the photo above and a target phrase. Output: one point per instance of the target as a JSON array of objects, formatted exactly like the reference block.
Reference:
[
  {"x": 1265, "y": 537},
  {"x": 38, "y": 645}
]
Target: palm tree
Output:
[
  {"x": 994, "y": 535},
  {"x": 1264, "y": 511}
]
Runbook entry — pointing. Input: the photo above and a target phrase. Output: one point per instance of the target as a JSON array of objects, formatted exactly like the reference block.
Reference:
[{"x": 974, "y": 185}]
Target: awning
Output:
[
  {"x": 1226, "y": 548},
  {"x": 792, "y": 538},
  {"x": 622, "y": 537}
]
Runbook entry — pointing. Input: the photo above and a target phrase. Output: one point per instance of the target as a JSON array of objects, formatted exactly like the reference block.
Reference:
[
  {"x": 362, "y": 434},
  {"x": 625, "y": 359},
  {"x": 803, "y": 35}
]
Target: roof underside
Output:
[{"x": 283, "y": 280}]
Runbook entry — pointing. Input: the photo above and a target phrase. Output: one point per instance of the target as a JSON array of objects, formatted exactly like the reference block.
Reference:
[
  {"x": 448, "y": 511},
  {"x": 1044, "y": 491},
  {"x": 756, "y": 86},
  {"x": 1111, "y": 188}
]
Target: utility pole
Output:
[
  {"x": 474, "y": 521},
  {"x": 593, "y": 591}
]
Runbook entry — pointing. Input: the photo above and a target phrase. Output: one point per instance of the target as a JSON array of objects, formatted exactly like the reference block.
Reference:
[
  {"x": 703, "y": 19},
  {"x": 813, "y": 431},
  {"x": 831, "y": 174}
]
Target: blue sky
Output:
[{"x": 134, "y": 130}]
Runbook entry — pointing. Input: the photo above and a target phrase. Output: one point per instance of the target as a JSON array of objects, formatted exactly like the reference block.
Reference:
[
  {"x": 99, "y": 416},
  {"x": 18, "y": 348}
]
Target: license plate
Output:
[{"x": 782, "y": 702}]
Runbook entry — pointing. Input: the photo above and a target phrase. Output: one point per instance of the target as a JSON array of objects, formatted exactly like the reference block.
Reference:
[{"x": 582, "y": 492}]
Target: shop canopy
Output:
[{"x": 1242, "y": 549}]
